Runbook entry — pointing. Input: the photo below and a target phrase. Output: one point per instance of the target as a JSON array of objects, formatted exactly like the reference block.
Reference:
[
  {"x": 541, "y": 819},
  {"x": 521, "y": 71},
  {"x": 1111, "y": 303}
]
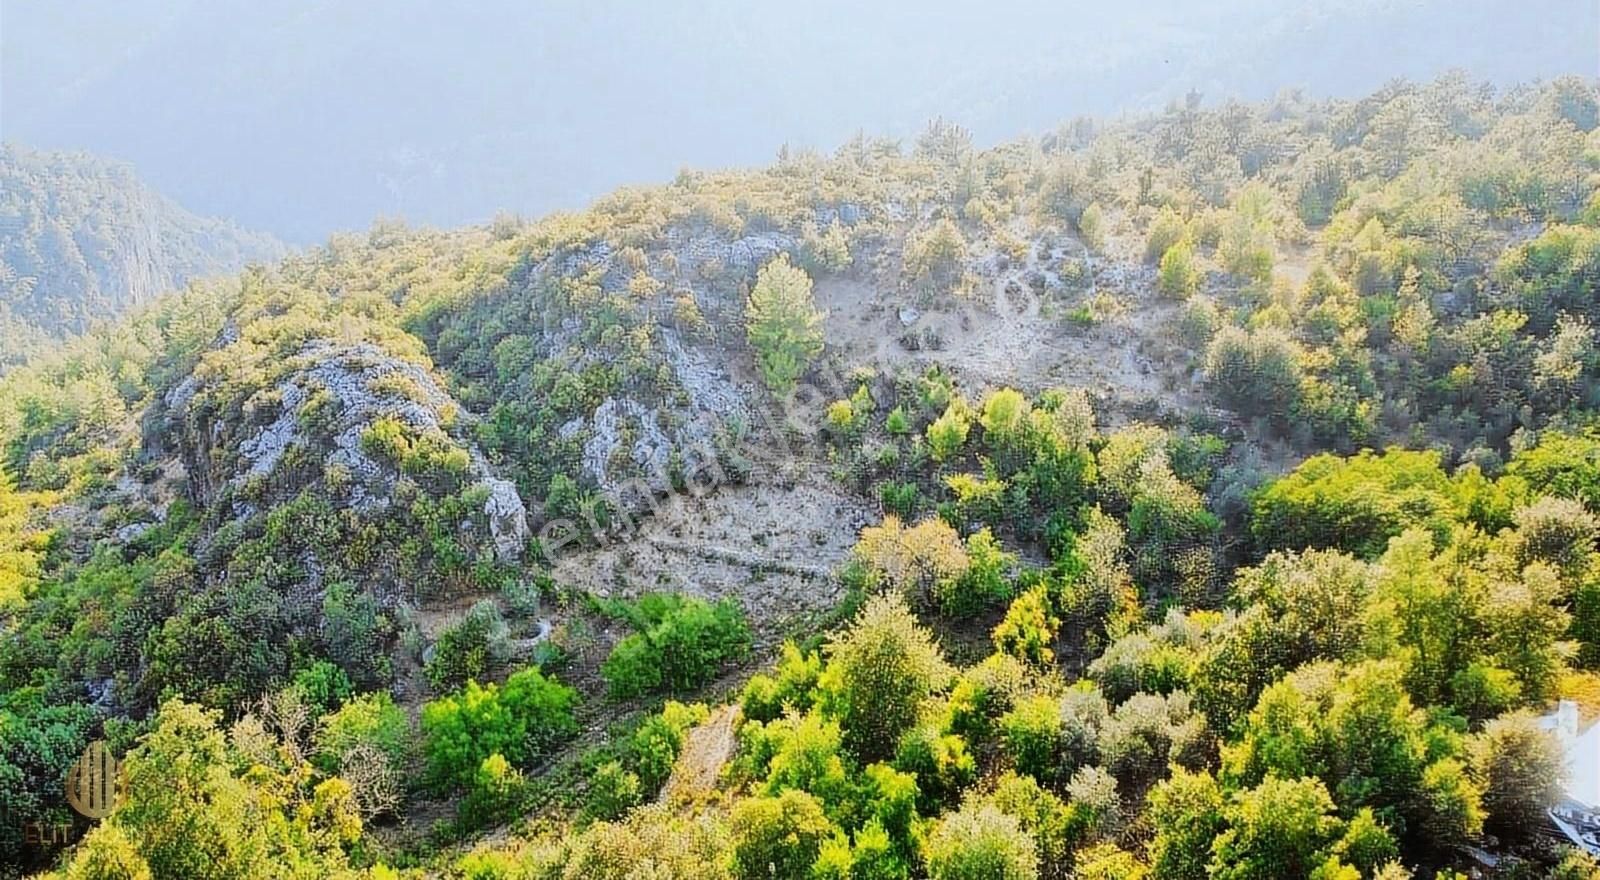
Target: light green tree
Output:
[
  {"x": 783, "y": 324},
  {"x": 879, "y": 671},
  {"x": 981, "y": 843},
  {"x": 1178, "y": 278}
]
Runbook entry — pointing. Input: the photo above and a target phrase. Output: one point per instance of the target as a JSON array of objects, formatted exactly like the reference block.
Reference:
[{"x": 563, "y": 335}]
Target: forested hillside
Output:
[
  {"x": 1211, "y": 494},
  {"x": 82, "y": 239}
]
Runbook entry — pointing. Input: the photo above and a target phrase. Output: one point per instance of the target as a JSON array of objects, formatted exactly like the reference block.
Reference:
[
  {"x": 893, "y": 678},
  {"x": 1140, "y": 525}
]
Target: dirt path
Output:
[{"x": 706, "y": 750}]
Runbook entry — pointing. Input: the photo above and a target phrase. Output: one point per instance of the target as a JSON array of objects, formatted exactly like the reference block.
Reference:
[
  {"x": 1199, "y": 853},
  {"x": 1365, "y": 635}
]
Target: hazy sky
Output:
[{"x": 300, "y": 117}]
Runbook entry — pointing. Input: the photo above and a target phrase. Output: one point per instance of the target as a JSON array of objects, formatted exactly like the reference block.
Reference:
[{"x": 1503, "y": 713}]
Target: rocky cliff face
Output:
[{"x": 351, "y": 425}]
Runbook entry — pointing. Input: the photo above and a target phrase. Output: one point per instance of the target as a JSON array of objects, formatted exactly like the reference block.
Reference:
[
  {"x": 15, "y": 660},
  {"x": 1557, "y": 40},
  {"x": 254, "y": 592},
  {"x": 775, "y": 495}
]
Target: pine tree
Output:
[{"x": 783, "y": 324}]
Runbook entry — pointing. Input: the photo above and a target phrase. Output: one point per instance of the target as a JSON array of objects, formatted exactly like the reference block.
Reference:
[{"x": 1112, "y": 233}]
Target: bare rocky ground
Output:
[
  {"x": 771, "y": 547},
  {"x": 1012, "y": 329}
]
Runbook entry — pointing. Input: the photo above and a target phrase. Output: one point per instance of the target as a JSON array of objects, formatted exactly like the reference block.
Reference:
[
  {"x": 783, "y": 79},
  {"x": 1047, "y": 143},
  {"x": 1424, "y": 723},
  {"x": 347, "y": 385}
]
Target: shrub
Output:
[
  {"x": 323, "y": 686},
  {"x": 1091, "y": 226},
  {"x": 1165, "y": 231},
  {"x": 1178, "y": 278},
  {"x": 791, "y": 686},
  {"x": 1107, "y": 861},
  {"x": 897, "y": 422},
  {"x": 1137, "y": 663},
  {"x": 941, "y": 763},
  {"x": 983, "y": 693},
  {"x": 1147, "y": 734},
  {"x": 977, "y": 500},
  {"x": 1031, "y": 735},
  {"x": 1055, "y": 825},
  {"x": 1366, "y": 845},
  {"x": 613, "y": 791},
  {"x": 1093, "y": 792},
  {"x": 655, "y": 744},
  {"x": 469, "y": 648},
  {"x": 354, "y": 632},
  {"x": 898, "y": 499},
  {"x": 1482, "y": 690},
  {"x": 369, "y": 720},
  {"x": 520, "y": 720},
  {"x": 921, "y": 563},
  {"x": 495, "y": 793},
  {"x": 935, "y": 256},
  {"x": 651, "y": 842},
  {"x": 1028, "y": 629},
  {"x": 805, "y": 755},
  {"x": 684, "y": 643},
  {"x": 870, "y": 855},
  {"x": 948, "y": 433},
  {"x": 985, "y": 583},
  {"x": 825, "y": 250}
]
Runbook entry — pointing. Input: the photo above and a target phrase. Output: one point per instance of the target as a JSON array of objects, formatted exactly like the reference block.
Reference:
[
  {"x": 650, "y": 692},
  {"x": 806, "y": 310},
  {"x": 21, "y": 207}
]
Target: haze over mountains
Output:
[
  {"x": 300, "y": 118},
  {"x": 82, "y": 239}
]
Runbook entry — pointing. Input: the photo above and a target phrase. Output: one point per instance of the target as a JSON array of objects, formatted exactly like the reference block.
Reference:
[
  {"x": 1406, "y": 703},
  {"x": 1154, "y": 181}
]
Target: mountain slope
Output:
[
  {"x": 1035, "y": 401},
  {"x": 82, "y": 239}
]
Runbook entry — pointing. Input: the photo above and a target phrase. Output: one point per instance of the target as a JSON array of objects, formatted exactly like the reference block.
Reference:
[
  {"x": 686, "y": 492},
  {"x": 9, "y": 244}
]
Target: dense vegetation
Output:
[{"x": 1293, "y": 618}]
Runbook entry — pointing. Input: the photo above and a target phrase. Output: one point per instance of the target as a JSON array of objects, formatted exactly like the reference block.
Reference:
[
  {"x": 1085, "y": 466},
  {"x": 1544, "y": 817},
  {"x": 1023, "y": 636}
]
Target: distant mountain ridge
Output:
[
  {"x": 305, "y": 117},
  {"x": 83, "y": 238}
]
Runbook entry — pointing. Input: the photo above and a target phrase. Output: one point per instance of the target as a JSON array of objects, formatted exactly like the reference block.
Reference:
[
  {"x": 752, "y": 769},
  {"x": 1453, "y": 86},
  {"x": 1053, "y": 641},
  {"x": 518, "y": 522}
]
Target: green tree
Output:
[
  {"x": 979, "y": 842},
  {"x": 1186, "y": 811},
  {"x": 196, "y": 807},
  {"x": 1177, "y": 277},
  {"x": 783, "y": 324},
  {"x": 1521, "y": 768},
  {"x": 778, "y": 838},
  {"x": 519, "y": 720},
  {"x": 1281, "y": 828},
  {"x": 1256, "y": 372},
  {"x": 879, "y": 670},
  {"x": 684, "y": 643},
  {"x": 1354, "y": 504}
]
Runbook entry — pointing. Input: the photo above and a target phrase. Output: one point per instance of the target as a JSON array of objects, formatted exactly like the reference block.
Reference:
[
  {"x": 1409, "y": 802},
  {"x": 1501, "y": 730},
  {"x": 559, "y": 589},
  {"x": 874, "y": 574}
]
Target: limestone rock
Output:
[{"x": 508, "y": 519}]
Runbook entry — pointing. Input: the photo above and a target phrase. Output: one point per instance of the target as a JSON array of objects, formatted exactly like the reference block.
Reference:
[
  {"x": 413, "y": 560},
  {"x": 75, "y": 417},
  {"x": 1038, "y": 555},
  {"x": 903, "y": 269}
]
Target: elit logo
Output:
[{"x": 94, "y": 784}]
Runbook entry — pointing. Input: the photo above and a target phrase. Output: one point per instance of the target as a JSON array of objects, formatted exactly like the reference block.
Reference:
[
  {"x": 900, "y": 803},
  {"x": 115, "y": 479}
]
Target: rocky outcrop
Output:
[
  {"x": 508, "y": 519},
  {"x": 325, "y": 401}
]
